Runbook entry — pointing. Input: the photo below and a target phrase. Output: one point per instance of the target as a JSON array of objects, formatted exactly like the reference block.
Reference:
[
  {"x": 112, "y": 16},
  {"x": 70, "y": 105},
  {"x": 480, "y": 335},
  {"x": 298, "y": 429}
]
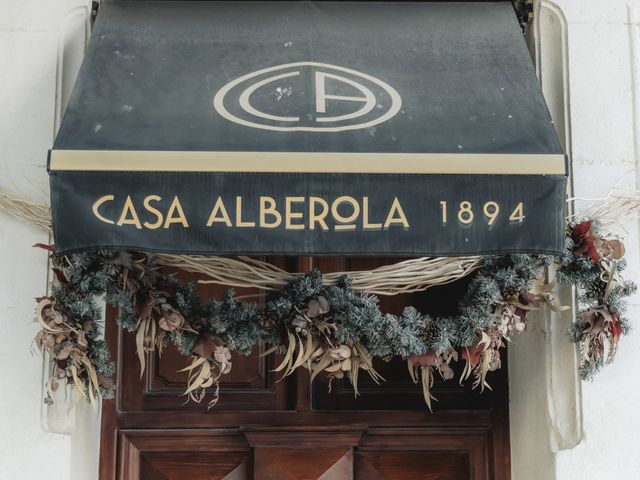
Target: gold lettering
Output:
[
  {"x": 290, "y": 215},
  {"x": 154, "y": 211},
  {"x": 345, "y": 220},
  {"x": 239, "y": 222},
  {"x": 318, "y": 218},
  {"x": 396, "y": 208},
  {"x": 98, "y": 203},
  {"x": 129, "y": 209},
  {"x": 269, "y": 210},
  {"x": 365, "y": 216},
  {"x": 180, "y": 218},
  {"x": 219, "y": 207}
]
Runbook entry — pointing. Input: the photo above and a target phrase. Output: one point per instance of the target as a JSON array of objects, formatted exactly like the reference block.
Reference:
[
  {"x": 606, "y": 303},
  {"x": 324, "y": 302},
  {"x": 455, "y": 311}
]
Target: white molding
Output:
[
  {"x": 633, "y": 28},
  {"x": 73, "y": 37},
  {"x": 564, "y": 130},
  {"x": 564, "y": 384},
  {"x": 544, "y": 385}
]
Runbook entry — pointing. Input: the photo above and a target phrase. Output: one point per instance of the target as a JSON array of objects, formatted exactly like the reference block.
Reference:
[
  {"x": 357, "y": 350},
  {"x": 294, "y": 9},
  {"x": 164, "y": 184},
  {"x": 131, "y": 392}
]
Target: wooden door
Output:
[{"x": 265, "y": 427}]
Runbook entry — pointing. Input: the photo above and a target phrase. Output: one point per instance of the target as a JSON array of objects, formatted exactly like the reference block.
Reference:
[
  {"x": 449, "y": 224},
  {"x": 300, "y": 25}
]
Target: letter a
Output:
[
  {"x": 219, "y": 209},
  {"x": 396, "y": 208},
  {"x": 127, "y": 210},
  {"x": 180, "y": 218}
]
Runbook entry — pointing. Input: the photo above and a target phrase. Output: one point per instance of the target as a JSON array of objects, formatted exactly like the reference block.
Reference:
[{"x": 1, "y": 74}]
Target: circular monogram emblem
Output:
[{"x": 307, "y": 97}]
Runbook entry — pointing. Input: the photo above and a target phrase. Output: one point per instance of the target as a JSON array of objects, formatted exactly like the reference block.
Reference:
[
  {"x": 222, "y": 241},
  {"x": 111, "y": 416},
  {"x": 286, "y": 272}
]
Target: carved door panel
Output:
[
  {"x": 320, "y": 452},
  {"x": 305, "y": 452},
  {"x": 266, "y": 427},
  {"x": 176, "y": 455}
]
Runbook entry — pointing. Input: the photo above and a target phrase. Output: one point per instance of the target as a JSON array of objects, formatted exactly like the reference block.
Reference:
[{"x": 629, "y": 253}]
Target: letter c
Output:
[{"x": 98, "y": 204}]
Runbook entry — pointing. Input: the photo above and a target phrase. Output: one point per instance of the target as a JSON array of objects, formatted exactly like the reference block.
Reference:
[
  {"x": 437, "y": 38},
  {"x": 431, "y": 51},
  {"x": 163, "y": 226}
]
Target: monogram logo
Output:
[{"x": 307, "y": 97}]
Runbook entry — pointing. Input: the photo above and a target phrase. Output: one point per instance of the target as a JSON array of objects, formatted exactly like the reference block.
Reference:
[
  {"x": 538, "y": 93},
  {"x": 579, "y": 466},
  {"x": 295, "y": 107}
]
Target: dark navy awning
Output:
[{"x": 308, "y": 128}]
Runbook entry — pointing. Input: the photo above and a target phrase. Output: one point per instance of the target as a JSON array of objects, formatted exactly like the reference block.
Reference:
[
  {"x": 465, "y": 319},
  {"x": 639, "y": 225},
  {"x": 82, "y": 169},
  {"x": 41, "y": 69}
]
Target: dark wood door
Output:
[{"x": 265, "y": 427}]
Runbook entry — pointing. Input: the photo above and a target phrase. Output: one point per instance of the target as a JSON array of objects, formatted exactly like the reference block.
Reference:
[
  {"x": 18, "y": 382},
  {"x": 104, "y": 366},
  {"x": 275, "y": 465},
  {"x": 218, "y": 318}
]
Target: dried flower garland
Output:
[
  {"x": 328, "y": 329},
  {"x": 70, "y": 335},
  {"x": 594, "y": 265}
]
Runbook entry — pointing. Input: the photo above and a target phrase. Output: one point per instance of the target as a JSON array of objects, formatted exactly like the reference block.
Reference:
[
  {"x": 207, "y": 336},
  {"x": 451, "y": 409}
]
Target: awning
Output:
[{"x": 308, "y": 128}]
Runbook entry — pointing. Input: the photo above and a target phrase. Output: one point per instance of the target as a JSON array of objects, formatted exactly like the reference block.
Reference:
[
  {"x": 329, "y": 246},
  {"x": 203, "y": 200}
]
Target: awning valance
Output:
[{"x": 308, "y": 128}]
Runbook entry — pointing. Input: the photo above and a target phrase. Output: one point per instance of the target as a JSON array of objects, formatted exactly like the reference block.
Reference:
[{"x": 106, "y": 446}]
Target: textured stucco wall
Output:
[
  {"x": 40, "y": 41},
  {"x": 601, "y": 69},
  {"x": 36, "y": 38},
  {"x": 604, "y": 54}
]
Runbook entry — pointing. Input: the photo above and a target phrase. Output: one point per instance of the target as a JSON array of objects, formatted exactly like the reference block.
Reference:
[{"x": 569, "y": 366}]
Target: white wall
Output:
[
  {"x": 604, "y": 54},
  {"x": 37, "y": 38},
  {"x": 601, "y": 71},
  {"x": 40, "y": 44}
]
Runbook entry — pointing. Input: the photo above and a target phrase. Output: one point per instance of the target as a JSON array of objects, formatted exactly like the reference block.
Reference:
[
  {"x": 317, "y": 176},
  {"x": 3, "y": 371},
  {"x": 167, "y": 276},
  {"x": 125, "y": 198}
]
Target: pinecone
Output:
[
  {"x": 267, "y": 319},
  {"x": 596, "y": 289},
  {"x": 510, "y": 293}
]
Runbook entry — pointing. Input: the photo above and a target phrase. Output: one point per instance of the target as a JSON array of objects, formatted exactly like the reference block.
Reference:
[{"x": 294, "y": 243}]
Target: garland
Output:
[
  {"x": 328, "y": 329},
  {"x": 594, "y": 264}
]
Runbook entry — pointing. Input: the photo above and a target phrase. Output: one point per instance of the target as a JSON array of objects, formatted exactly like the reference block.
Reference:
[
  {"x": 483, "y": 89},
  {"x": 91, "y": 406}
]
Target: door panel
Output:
[
  {"x": 299, "y": 464},
  {"x": 303, "y": 452},
  {"x": 195, "y": 466},
  {"x": 398, "y": 392},
  {"x": 268, "y": 427},
  {"x": 248, "y": 373},
  {"x": 183, "y": 454},
  {"x": 411, "y": 465},
  {"x": 422, "y": 453},
  {"x": 251, "y": 384}
]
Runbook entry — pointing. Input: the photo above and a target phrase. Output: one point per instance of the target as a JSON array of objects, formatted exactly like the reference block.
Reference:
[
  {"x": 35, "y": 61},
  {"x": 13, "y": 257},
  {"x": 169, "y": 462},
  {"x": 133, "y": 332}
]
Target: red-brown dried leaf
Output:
[
  {"x": 207, "y": 345},
  {"x": 429, "y": 359},
  {"x": 616, "y": 327},
  {"x": 44, "y": 246},
  {"x": 584, "y": 241},
  {"x": 580, "y": 230},
  {"x": 60, "y": 276}
]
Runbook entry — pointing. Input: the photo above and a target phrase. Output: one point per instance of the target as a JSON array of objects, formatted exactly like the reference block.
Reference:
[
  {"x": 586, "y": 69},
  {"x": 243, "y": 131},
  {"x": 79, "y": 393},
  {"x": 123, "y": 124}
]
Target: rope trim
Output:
[{"x": 408, "y": 276}]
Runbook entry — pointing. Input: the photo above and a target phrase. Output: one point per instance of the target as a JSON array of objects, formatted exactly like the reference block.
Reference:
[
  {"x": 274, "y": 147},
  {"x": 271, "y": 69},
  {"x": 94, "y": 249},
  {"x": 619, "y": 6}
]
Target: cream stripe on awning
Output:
[{"x": 306, "y": 162}]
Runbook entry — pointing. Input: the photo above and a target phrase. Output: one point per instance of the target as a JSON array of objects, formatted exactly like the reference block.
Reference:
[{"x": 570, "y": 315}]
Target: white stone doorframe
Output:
[
  {"x": 544, "y": 387},
  {"x": 82, "y": 423}
]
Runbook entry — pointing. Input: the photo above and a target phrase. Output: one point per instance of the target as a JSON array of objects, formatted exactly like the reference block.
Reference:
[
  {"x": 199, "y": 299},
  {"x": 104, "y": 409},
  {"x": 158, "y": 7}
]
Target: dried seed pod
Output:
[
  {"x": 313, "y": 308},
  {"x": 324, "y": 305}
]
